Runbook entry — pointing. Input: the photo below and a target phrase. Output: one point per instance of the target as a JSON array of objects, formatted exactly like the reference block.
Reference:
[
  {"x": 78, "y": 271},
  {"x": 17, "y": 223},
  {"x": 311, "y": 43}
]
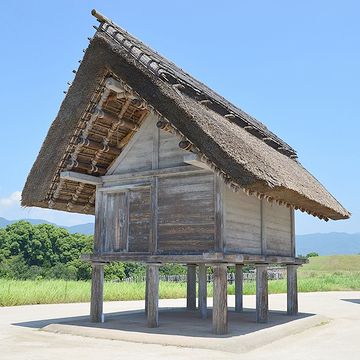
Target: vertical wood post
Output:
[
  {"x": 97, "y": 293},
  {"x": 191, "y": 287},
  {"x": 202, "y": 291},
  {"x": 262, "y": 306},
  {"x": 292, "y": 290},
  {"x": 153, "y": 295},
  {"x": 220, "y": 319},
  {"x": 146, "y": 288},
  {"x": 239, "y": 278}
]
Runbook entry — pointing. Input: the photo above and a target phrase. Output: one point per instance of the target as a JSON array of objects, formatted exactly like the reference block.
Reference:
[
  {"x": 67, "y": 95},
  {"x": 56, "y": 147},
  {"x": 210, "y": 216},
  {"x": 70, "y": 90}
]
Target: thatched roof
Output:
[{"x": 241, "y": 149}]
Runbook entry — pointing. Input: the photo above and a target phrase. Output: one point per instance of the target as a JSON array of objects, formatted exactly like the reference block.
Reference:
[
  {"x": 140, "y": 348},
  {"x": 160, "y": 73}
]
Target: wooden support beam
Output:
[
  {"x": 195, "y": 160},
  {"x": 191, "y": 258},
  {"x": 202, "y": 291},
  {"x": 146, "y": 290},
  {"x": 153, "y": 295},
  {"x": 191, "y": 287},
  {"x": 262, "y": 306},
  {"x": 81, "y": 178},
  {"x": 292, "y": 290},
  {"x": 239, "y": 279},
  {"x": 97, "y": 293},
  {"x": 220, "y": 319}
]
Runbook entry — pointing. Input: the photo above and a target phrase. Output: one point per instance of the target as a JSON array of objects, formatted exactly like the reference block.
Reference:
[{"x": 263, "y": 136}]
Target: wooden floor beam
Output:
[
  {"x": 97, "y": 293},
  {"x": 262, "y": 307},
  {"x": 220, "y": 318}
]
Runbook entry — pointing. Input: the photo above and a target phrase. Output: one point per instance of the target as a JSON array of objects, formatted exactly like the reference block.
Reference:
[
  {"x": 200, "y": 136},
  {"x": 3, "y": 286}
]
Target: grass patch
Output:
[
  {"x": 15, "y": 292},
  {"x": 318, "y": 275}
]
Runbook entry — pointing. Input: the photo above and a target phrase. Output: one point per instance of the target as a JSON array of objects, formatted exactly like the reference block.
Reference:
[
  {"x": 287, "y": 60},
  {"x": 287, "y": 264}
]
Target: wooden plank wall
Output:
[
  {"x": 139, "y": 220},
  {"x": 278, "y": 230},
  {"x": 255, "y": 227},
  {"x": 186, "y": 213},
  {"x": 114, "y": 222},
  {"x": 242, "y": 222},
  {"x": 183, "y": 220}
]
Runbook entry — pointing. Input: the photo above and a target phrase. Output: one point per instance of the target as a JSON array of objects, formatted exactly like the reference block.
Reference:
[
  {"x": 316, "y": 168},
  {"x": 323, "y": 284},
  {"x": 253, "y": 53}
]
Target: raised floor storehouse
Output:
[{"x": 174, "y": 173}]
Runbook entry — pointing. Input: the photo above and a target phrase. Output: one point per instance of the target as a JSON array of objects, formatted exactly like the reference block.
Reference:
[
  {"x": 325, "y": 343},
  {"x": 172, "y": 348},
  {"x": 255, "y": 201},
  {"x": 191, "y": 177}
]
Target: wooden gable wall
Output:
[{"x": 173, "y": 213}]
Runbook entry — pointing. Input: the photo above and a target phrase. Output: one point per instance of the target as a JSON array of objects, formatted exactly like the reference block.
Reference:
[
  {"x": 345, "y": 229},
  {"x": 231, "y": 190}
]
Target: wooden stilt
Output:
[
  {"x": 203, "y": 291},
  {"x": 239, "y": 278},
  {"x": 153, "y": 296},
  {"x": 261, "y": 294},
  {"x": 191, "y": 287},
  {"x": 292, "y": 290},
  {"x": 146, "y": 288},
  {"x": 97, "y": 293},
  {"x": 220, "y": 320}
]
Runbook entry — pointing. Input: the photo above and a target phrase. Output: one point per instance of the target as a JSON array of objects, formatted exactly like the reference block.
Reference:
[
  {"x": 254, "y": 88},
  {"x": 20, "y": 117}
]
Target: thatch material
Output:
[{"x": 233, "y": 148}]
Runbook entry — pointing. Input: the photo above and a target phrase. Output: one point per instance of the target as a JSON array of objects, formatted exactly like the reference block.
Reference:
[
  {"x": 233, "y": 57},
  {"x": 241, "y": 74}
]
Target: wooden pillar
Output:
[
  {"x": 146, "y": 288},
  {"x": 203, "y": 291},
  {"x": 97, "y": 293},
  {"x": 262, "y": 306},
  {"x": 239, "y": 279},
  {"x": 191, "y": 287},
  {"x": 153, "y": 295},
  {"x": 220, "y": 320},
  {"x": 292, "y": 290}
]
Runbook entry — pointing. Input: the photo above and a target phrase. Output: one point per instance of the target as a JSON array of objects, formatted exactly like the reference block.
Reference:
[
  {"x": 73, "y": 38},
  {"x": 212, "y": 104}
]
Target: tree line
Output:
[{"x": 49, "y": 252}]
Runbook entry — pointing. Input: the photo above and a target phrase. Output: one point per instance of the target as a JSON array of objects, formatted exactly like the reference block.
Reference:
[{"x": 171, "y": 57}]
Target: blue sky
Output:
[{"x": 293, "y": 65}]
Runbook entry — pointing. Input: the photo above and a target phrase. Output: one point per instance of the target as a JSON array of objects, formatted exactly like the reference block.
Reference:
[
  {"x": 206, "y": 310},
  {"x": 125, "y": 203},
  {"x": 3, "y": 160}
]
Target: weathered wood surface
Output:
[
  {"x": 139, "y": 220},
  {"x": 194, "y": 159},
  {"x": 134, "y": 177},
  {"x": 146, "y": 289},
  {"x": 292, "y": 224},
  {"x": 278, "y": 230},
  {"x": 98, "y": 238},
  {"x": 292, "y": 290},
  {"x": 153, "y": 296},
  {"x": 191, "y": 258},
  {"x": 97, "y": 293},
  {"x": 169, "y": 152},
  {"x": 138, "y": 153},
  {"x": 115, "y": 227},
  {"x": 263, "y": 228},
  {"x": 239, "y": 280},
  {"x": 254, "y": 226},
  {"x": 220, "y": 318},
  {"x": 261, "y": 294},
  {"x": 219, "y": 189},
  {"x": 191, "y": 287},
  {"x": 80, "y": 177},
  {"x": 186, "y": 213},
  {"x": 242, "y": 222},
  {"x": 202, "y": 290}
]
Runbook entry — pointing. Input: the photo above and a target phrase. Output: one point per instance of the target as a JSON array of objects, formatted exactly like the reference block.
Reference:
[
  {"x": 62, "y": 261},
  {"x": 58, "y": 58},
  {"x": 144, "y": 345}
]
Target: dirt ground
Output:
[{"x": 328, "y": 328}]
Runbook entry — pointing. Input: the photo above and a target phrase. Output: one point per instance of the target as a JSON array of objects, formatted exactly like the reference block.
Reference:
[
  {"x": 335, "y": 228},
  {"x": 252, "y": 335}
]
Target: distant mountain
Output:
[
  {"x": 87, "y": 229},
  {"x": 328, "y": 244}
]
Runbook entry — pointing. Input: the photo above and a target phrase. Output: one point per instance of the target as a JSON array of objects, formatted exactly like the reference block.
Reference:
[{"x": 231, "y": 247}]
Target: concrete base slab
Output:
[{"x": 183, "y": 328}]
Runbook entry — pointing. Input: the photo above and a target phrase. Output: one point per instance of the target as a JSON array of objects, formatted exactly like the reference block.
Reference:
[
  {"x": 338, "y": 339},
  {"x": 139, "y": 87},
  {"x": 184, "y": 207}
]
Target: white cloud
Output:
[
  {"x": 11, "y": 209},
  {"x": 10, "y": 201}
]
